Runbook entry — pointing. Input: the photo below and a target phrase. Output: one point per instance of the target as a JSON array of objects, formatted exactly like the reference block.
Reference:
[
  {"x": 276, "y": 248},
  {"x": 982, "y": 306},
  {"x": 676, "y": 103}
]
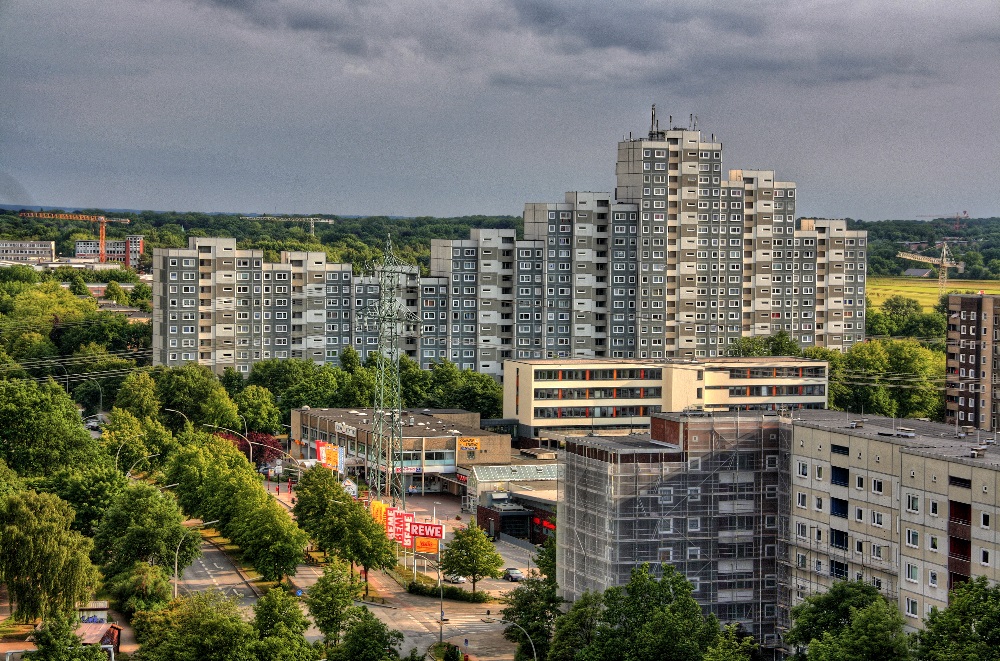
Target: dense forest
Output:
[
  {"x": 976, "y": 242},
  {"x": 348, "y": 239}
]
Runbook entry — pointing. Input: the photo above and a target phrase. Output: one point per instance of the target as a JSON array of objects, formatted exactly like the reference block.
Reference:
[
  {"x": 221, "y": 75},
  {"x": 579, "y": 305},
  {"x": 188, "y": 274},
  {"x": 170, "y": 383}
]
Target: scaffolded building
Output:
[{"x": 700, "y": 493}]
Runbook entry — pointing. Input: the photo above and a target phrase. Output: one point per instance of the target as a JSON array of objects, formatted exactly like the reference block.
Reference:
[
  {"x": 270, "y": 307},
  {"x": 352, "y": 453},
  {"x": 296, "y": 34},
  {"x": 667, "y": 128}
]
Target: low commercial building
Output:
[
  {"x": 436, "y": 444},
  {"x": 127, "y": 251},
  {"x": 550, "y": 396},
  {"x": 27, "y": 251}
]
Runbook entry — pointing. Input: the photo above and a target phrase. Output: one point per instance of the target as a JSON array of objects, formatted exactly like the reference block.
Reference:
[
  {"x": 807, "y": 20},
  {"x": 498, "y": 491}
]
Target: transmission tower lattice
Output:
[{"x": 384, "y": 467}]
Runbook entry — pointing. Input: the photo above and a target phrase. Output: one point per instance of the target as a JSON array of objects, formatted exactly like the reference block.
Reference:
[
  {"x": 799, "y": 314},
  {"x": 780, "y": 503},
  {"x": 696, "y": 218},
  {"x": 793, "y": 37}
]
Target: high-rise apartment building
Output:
[
  {"x": 225, "y": 307},
  {"x": 973, "y": 345},
  {"x": 679, "y": 263},
  {"x": 683, "y": 261}
]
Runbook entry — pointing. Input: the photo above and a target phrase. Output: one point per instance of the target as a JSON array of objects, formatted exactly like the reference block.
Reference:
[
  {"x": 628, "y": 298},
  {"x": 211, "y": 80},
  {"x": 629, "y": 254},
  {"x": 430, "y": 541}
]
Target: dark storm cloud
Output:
[{"x": 437, "y": 106}]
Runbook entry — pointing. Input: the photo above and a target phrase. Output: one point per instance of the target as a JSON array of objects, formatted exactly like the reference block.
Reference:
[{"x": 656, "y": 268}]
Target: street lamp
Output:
[
  {"x": 233, "y": 431},
  {"x": 128, "y": 473},
  {"x": 441, "y": 588},
  {"x": 178, "y": 551},
  {"x": 180, "y": 413},
  {"x": 533, "y": 652}
]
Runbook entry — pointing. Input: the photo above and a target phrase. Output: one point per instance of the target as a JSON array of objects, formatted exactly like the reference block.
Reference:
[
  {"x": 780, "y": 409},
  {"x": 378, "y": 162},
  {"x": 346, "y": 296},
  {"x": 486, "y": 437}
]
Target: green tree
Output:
[
  {"x": 278, "y": 375},
  {"x": 534, "y": 606},
  {"x": 137, "y": 395},
  {"x": 874, "y": 633},
  {"x": 838, "y": 391},
  {"x": 866, "y": 368},
  {"x": 350, "y": 361},
  {"x": 782, "y": 344},
  {"x": 413, "y": 382},
  {"x": 232, "y": 381},
  {"x": 123, "y": 440},
  {"x": 731, "y": 647},
  {"x": 969, "y": 628},
  {"x": 45, "y": 564},
  {"x": 144, "y": 525},
  {"x": 256, "y": 405},
  {"x": 829, "y": 612},
  {"x": 653, "y": 619},
  {"x": 323, "y": 508},
  {"x": 194, "y": 390},
  {"x": 331, "y": 599},
  {"x": 918, "y": 371},
  {"x": 57, "y": 641},
  {"x": 78, "y": 287},
  {"x": 89, "y": 489},
  {"x": 9, "y": 481},
  {"x": 114, "y": 292},
  {"x": 141, "y": 297},
  {"x": 749, "y": 347},
  {"x": 367, "y": 545},
  {"x": 278, "y": 610},
  {"x": 576, "y": 629},
  {"x": 368, "y": 639},
  {"x": 481, "y": 393},
  {"x": 204, "y": 626},
  {"x": 42, "y": 430},
  {"x": 898, "y": 309},
  {"x": 445, "y": 381},
  {"x": 142, "y": 587},
  {"x": 470, "y": 553},
  {"x": 270, "y": 540},
  {"x": 546, "y": 559}
]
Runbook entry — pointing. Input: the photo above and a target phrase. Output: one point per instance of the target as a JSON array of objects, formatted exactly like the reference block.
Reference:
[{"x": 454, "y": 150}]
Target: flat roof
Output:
[
  {"x": 654, "y": 362},
  {"x": 930, "y": 439},
  {"x": 426, "y": 422}
]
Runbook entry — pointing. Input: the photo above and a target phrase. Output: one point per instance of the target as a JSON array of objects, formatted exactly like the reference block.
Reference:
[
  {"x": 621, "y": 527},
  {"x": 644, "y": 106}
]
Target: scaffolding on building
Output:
[{"x": 708, "y": 506}]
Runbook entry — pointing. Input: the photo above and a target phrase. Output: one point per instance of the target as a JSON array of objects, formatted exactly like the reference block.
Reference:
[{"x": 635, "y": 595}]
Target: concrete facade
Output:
[
  {"x": 27, "y": 251},
  {"x": 576, "y": 396},
  {"x": 973, "y": 347}
]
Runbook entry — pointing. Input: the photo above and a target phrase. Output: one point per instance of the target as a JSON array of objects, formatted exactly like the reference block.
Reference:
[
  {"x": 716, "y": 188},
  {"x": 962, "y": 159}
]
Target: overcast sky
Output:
[{"x": 876, "y": 109}]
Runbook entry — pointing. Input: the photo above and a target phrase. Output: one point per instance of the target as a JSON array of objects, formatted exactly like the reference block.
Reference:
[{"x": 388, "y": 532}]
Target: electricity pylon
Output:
[{"x": 384, "y": 471}]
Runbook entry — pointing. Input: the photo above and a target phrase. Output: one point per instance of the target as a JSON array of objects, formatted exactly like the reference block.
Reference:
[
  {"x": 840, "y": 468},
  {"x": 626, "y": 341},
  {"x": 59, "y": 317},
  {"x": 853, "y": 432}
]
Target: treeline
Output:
[
  {"x": 889, "y": 377},
  {"x": 976, "y": 242},
  {"x": 49, "y": 331},
  {"x": 348, "y": 239}
]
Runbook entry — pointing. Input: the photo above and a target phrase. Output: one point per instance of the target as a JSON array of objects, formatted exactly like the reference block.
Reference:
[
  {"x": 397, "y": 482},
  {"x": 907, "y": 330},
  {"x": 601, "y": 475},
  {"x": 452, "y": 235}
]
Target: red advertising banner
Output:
[
  {"x": 407, "y": 521},
  {"x": 390, "y": 527},
  {"x": 432, "y": 530}
]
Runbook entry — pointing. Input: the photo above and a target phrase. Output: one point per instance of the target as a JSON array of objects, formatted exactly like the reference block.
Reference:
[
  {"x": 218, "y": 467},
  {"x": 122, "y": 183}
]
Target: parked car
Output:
[
  {"x": 93, "y": 425},
  {"x": 454, "y": 579},
  {"x": 513, "y": 574}
]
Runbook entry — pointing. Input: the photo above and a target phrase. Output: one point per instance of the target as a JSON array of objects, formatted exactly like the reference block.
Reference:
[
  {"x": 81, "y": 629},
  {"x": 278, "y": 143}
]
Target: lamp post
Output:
[
  {"x": 441, "y": 588},
  {"x": 180, "y": 413},
  {"x": 128, "y": 473},
  {"x": 178, "y": 551},
  {"x": 233, "y": 431},
  {"x": 100, "y": 390},
  {"x": 533, "y": 652}
]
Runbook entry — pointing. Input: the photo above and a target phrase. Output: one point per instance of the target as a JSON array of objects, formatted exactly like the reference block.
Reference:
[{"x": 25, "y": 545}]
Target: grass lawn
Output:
[{"x": 924, "y": 290}]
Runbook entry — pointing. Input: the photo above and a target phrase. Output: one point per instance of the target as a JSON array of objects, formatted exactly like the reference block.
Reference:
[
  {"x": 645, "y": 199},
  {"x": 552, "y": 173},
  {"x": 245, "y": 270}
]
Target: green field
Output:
[{"x": 924, "y": 290}]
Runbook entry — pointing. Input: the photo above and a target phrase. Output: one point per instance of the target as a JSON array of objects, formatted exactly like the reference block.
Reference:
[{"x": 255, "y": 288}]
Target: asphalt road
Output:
[{"x": 214, "y": 570}]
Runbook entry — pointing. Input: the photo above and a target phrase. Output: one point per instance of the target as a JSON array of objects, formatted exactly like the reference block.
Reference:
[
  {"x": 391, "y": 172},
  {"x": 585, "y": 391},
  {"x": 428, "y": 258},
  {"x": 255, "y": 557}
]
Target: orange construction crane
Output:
[
  {"x": 958, "y": 216},
  {"x": 101, "y": 220}
]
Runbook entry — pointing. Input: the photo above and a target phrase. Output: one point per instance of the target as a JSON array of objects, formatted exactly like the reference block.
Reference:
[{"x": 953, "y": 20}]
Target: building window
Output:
[
  {"x": 800, "y": 499},
  {"x": 932, "y": 542},
  {"x": 803, "y": 469},
  {"x": 912, "y": 538},
  {"x": 932, "y": 578},
  {"x": 912, "y": 607},
  {"x": 912, "y": 503},
  {"x": 876, "y": 485},
  {"x": 984, "y": 556},
  {"x": 877, "y": 519},
  {"x": 911, "y": 572},
  {"x": 985, "y": 519}
]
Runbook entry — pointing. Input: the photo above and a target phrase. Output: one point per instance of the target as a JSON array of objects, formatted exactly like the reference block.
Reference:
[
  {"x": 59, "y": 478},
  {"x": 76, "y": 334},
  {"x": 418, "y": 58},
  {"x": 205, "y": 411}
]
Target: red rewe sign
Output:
[{"x": 432, "y": 530}]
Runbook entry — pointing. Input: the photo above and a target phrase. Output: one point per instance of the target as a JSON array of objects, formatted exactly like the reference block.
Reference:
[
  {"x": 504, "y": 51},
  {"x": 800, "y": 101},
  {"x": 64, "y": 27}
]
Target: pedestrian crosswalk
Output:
[{"x": 470, "y": 623}]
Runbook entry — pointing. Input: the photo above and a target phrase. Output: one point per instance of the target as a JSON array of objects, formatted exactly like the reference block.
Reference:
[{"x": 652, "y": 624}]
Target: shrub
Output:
[{"x": 450, "y": 592}]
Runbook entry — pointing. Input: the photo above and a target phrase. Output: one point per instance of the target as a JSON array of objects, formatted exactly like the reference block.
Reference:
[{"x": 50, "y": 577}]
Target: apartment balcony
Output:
[{"x": 960, "y": 529}]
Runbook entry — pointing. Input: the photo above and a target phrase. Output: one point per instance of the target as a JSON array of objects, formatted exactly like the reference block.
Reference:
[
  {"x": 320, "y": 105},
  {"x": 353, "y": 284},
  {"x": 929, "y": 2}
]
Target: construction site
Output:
[{"x": 700, "y": 493}]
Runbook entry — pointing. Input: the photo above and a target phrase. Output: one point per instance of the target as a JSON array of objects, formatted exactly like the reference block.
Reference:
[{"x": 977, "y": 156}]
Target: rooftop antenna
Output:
[
  {"x": 690, "y": 121},
  {"x": 652, "y": 119},
  {"x": 670, "y": 120},
  {"x": 695, "y": 123}
]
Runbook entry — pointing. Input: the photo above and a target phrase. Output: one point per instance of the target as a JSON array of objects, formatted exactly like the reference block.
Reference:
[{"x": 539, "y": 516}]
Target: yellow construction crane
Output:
[
  {"x": 944, "y": 262},
  {"x": 294, "y": 219}
]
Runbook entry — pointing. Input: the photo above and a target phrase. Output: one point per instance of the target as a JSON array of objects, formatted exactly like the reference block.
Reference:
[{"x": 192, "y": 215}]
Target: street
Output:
[{"x": 214, "y": 570}]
